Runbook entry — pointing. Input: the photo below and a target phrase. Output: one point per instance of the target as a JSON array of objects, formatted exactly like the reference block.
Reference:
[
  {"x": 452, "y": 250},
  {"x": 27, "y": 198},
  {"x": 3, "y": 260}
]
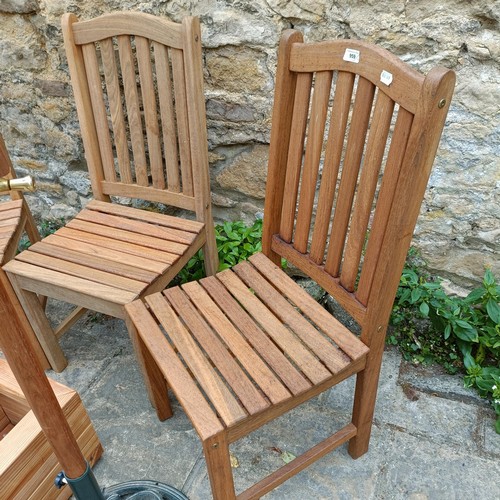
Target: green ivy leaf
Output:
[
  {"x": 475, "y": 295},
  {"x": 447, "y": 331},
  {"x": 416, "y": 293},
  {"x": 424, "y": 309},
  {"x": 493, "y": 310},
  {"x": 489, "y": 279}
]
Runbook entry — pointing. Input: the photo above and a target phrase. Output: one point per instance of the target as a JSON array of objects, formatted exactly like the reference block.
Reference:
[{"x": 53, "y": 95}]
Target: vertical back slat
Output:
[
  {"x": 333, "y": 155},
  {"x": 99, "y": 110},
  {"x": 354, "y": 152},
  {"x": 127, "y": 65},
  {"x": 143, "y": 51},
  {"x": 182, "y": 120},
  {"x": 377, "y": 139},
  {"x": 281, "y": 136},
  {"x": 164, "y": 82},
  {"x": 315, "y": 136},
  {"x": 387, "y": 189},
  {"x": 295, "y": 152},
  {"x": 116, "y": 108}
]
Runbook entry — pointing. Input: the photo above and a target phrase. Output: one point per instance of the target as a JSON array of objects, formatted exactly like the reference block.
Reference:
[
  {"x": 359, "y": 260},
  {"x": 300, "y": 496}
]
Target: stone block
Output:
[
  {"x": 247, "y": 174},
  {"x": 19, "y": 6}
]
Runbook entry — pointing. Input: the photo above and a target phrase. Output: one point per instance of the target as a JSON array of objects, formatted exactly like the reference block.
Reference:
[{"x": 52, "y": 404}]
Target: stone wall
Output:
[{"x": 458, "y": 231}]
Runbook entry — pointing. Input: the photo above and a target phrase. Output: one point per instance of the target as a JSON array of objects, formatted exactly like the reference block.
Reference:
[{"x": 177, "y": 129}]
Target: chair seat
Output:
[
  {"x": 235, "y": 345},
  {"x": 110, "y": 252},
  {"x": 10, "y": 218}
]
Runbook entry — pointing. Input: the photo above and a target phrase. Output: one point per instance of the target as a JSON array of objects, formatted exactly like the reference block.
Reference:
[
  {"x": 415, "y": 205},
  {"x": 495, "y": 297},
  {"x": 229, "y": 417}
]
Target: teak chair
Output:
[
  {"x": 240, "y": 348},
  {"x": 138, "y": 86},
  {"x": 15, "y": 215},
  {"x": 15, "y": 220}
]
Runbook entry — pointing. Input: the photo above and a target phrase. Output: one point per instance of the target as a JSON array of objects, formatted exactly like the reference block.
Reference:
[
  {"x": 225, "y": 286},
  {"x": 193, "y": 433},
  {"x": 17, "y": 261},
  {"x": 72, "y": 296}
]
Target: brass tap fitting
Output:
[{"x": 22, "y": 184}]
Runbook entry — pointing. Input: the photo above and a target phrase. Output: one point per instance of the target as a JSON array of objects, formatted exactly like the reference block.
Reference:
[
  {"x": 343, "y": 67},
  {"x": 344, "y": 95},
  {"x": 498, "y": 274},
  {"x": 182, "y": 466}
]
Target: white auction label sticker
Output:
[
  {"x": 351, "y": 55},
  {"x": 386, "y": 77}
]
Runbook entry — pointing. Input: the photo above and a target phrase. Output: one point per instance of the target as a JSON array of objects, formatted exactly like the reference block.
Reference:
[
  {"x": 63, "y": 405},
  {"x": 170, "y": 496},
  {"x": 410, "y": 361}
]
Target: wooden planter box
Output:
[{"x": 27, "y": 464}]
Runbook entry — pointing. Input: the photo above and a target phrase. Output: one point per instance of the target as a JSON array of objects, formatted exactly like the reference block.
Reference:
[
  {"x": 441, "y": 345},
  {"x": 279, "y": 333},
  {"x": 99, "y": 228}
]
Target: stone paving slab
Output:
[{"x": 432, "y": 439}]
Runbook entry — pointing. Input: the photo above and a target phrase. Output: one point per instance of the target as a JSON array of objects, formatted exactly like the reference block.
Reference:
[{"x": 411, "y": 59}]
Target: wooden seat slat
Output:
[
  {"x": 13, "y": 213},
  {"x": 135, "y": 227},
  {"x": 351, "y": 345},
  {"x": 238, "y": 345},
  {"x": 66, "y": 285},
  {"x": 216, "y": 351},
  {"x": 267, "y": 350},
  {"x": 82, "y": 271},
  {"x": 106, "y": 253},
  {"x": 186, "y": 390},
  {"x": 88, "y": 232},
  {"x": 135, "y": 238},
  {"x": 332, "y": 357},
  {"x": 11, "y": 222},
  {"x": 11, "y": 204},
  {"x": 220, "y": 396},
  {"x": 187, "y": 225},
  {"x": 284, "y": 338}
]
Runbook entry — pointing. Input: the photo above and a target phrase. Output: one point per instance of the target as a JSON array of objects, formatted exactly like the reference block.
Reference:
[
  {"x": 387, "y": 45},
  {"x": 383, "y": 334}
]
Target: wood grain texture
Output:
[
  {"x": 167, "y": 113},
  {"x": 115, "y": 108},
  {"x": 348, "y": 181},
  {"x": 134, "y": 119},
  {"x": 334, "y": 148},
  {"x": 204, "y": 418},
  {"x": 143, "y": 52},
  {"x": 315, "y": 136},
  {"x": 129, "y": 23},
  {"x": 329, "y": 55}
]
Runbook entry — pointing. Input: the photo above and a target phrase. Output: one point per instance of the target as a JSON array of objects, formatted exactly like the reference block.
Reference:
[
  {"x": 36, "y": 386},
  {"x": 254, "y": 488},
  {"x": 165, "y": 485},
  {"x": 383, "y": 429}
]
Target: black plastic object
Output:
[
  {"x": 85, "y": 487},
  {"x": 143, "y": 490}
]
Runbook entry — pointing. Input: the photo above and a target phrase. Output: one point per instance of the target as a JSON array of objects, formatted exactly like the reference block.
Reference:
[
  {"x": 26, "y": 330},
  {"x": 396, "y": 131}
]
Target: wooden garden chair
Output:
[
  {"x": 16, "y": 219},
  {"x": 15, "y": 215},
  {"x": 241, "y": 348},
  {"x": 127, "y": 71}
]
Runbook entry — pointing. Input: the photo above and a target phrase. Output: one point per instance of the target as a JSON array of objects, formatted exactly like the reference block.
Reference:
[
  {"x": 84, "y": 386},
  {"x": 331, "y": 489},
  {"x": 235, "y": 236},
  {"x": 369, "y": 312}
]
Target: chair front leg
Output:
[
  {"x": 154, "y": 380},
  {"x": 216, "y": 450}
]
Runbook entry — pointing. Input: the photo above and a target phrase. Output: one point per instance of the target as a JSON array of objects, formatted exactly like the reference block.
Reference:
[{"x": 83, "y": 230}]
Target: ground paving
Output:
[{"x": 432, "y": 439}]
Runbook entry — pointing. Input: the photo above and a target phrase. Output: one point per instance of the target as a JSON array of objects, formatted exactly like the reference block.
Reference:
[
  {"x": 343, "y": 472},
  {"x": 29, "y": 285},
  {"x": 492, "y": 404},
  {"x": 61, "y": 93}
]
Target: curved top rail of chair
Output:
[
  {"x": 127, "y": 23},
  {"x": 400, "y": 82}
]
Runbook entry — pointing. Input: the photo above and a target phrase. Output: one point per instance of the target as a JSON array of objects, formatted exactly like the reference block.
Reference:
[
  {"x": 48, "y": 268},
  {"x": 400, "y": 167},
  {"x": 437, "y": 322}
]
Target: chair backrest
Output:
[
  {"x": 138, "y": 86},
  {"x": 15, "y": 217},
  {"x": 354, "y": 135},
  {"x": 5, "y": 163},
  {"x": 7, "y": 170}
]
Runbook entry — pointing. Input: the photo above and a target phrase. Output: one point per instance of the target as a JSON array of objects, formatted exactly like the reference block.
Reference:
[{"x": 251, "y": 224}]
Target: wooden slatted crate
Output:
[{"x": 27, "y": 464}]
